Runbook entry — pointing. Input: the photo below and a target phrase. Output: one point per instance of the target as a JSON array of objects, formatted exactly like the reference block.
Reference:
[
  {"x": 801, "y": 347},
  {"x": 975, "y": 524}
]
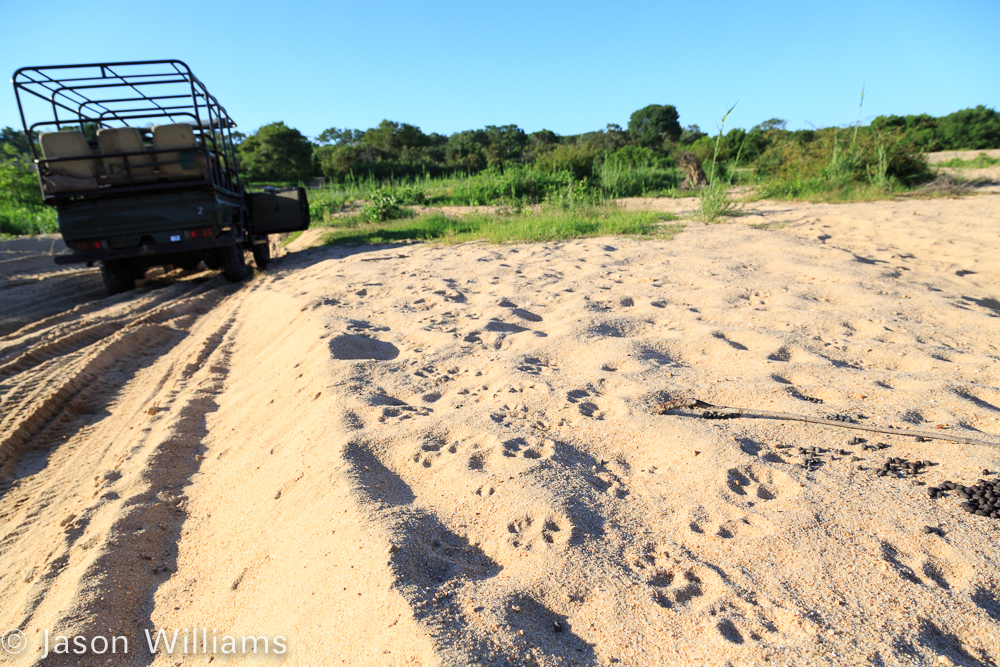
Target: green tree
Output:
[
  {"x": 276, "y": 152},
  {"x": 337, "y": 161},
  {"x": 339, "y": 137},
  {"x": 543, "y": 138},
  {"x": 652, "y": 124},
  {"x": 467, "y": 150},
  {"x": 392, "y": 138},
  {"x": 15, "y": 139},
  {"x": 691, "y": 134},
  {"x": 771, "y": 124},
  {"x": 504, "y": 143},
  {"x": 611, "y": 138}
]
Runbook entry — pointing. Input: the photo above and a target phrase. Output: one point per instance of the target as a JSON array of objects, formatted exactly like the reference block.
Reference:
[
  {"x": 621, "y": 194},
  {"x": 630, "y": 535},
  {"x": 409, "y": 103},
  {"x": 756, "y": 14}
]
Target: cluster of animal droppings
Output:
[
  {"x": 842, "y": 418},
  {"x": 902, "y": 467},
  {"x": 983, "y": 499},
  {"x": 812, "y": 456}
]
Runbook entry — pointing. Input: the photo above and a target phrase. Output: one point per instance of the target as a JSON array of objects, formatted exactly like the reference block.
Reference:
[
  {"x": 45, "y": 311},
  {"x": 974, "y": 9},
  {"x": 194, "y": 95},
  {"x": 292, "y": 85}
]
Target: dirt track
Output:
[{"x": 422, "y": 455}]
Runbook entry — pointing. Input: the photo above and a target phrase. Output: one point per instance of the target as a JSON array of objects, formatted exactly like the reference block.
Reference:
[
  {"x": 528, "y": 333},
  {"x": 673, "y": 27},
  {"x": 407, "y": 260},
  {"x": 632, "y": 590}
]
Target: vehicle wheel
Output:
[
  {"x": 234, "y": 264},
  {"x": 117, "y": 277},
  {"x": 262, "y": 254}
]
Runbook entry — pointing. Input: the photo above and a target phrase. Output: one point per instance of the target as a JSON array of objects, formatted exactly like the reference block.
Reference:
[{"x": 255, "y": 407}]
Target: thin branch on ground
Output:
[{"x": 709, "y": 411}]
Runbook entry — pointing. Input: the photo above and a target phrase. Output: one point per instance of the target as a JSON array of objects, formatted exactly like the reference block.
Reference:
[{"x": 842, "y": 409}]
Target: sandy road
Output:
[{"x": 420, "y": 455}]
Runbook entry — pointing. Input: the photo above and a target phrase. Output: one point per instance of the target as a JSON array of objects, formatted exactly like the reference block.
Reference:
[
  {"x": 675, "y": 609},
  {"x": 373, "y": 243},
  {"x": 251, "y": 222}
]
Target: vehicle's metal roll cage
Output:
[{"x": 63, "y": 93}]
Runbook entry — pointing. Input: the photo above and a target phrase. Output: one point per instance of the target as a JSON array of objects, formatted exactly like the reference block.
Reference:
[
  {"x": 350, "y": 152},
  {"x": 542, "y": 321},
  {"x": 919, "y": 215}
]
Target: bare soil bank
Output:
[{"x": 420, "y": 455}]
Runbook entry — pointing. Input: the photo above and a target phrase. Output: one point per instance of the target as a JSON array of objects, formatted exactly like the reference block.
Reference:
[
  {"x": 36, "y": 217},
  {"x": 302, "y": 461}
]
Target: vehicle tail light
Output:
[
  {"x": 201, "y": 233},
  {"x": 88, "y": 245}
]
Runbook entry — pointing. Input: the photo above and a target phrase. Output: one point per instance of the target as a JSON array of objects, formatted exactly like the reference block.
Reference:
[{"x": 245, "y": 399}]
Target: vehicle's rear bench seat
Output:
[
  {"x": 124, "y": 140},
  {"x": 180, "y": 157},
  {"x": 183, "y": 163},
  {"x": 69, "y": 174}
]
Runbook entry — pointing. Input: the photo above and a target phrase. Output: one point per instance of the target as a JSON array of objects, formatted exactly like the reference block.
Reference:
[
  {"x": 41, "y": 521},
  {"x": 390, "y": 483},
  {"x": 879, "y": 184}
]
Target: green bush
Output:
[
  {"x": 970, "y": 129},
  {"x": 384, "y": 205},
  {"x": 409, "y": 195},
  {"x": 578, "y": 159},
  {"x": 27, "y": 220},
  {"x": 18, "y": 181},
  {"x": 21, "y": 208},
  {"x": 841, "y": 156}
]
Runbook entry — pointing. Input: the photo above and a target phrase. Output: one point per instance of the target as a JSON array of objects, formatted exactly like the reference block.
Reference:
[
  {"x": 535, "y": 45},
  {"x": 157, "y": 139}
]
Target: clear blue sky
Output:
[{"x": 570, "y": 67}]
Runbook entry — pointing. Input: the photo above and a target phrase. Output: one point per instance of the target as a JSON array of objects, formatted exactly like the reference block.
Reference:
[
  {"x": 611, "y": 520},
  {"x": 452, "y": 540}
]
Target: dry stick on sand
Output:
[{"x": 709, "y": 411}]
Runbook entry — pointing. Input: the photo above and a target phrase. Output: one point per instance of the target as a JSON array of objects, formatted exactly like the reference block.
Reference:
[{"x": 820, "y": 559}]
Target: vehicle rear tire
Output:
[
  {"x": 117, "y": 277},
  {"x": 234, "y": 264},
  {"x": 262, "y": 254}
]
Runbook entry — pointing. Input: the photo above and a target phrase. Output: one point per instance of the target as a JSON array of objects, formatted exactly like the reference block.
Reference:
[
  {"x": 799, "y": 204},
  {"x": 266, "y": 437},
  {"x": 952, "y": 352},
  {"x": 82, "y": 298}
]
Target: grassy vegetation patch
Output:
[
  {"x": 26, "y": 220},
  {"x": 819, "y": 189},
  {"x": 548, "y": 224},
  {"x": 979, "y": 162}
]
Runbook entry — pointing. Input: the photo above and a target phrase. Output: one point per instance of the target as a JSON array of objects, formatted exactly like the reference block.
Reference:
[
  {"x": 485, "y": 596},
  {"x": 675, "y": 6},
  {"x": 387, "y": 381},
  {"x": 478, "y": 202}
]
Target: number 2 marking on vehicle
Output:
[{"x": 199, "y": 210}]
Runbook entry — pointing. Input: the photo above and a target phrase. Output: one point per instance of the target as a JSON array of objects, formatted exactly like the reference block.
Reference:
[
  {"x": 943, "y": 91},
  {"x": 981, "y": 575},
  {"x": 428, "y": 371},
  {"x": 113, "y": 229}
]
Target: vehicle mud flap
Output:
[
  {"x": 262, "y": 253},
  {"x": 276, "y": 212}
]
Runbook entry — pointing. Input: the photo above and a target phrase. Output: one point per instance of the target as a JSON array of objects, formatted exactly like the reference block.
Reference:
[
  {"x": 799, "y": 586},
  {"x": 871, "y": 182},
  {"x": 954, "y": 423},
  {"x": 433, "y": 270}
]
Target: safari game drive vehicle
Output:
[{"x": 139, "y": 162}]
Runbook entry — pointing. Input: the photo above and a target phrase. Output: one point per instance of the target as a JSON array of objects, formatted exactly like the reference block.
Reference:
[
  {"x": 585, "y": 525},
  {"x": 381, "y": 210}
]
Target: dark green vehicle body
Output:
[
  {"x": 158, "y": 218},
  {"x": 152, "y": 230},
  {"x": 131, "y": 194}
]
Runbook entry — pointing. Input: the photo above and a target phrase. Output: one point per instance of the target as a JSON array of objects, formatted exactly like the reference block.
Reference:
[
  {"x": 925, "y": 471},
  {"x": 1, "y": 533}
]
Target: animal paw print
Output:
[
  {"x": 432, "y": 450},
  {"x": 535, "y": 448},
  {"x": 608, "y": 481},
  {"x": 529, "y": 533},
  {"x": 401, "y": 412},
  {"x": 759, "y": 483},
  {"x": 587, "y": 407},
  {"x": 485, "y": 491},
  {"x": 650, "y": 556},
  {"x": 671, "y": 590}
]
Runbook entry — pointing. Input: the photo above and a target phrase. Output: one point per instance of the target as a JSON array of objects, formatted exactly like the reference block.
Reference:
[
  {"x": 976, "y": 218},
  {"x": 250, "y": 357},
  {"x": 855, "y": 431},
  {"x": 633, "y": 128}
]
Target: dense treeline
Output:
[{"x": 653, "y": 135}]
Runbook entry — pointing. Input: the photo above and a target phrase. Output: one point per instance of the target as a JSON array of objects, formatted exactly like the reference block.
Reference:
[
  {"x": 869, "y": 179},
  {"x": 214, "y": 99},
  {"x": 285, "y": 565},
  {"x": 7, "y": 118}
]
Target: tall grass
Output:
[
  {"x": 714, "y": 200},
  {"x": 548, "y": 223},
  {"x": 620, "y": 179},
  {"x": 517, "y": 186}
]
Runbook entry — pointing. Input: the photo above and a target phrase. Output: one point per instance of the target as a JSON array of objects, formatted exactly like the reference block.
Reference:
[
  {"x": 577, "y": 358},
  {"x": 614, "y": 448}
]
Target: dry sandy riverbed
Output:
[{"x": 420, "y": 455}]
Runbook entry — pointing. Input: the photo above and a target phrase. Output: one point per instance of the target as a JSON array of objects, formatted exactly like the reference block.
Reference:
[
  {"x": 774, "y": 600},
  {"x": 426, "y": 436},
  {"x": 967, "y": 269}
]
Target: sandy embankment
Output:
[
  {"x": 420, "y": 455},
  {"x": 982, "y": 174}
]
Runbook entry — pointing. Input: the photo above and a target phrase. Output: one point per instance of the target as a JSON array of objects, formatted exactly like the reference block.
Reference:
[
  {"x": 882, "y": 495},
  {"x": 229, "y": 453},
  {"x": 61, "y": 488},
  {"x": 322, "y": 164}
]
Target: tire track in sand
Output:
[{"x": 118, "y": 396}]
